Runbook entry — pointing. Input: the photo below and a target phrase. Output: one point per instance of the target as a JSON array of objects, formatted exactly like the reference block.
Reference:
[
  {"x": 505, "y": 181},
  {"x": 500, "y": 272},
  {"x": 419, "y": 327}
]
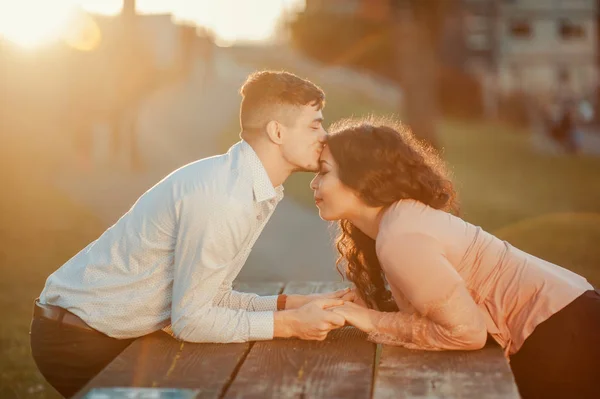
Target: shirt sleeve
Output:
[
  {"x": 211, "y": 234},
  {"x": 446, "y": 316},
  {"x": 229, "y": 298}
]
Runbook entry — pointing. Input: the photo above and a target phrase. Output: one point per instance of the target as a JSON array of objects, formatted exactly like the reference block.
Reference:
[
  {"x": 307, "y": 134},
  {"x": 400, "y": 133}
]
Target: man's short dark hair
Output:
[{"x": 264, "y": 90}]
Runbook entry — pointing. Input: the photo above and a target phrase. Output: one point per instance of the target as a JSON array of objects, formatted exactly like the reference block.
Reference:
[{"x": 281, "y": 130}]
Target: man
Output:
[{"x": 171, "y": 259}]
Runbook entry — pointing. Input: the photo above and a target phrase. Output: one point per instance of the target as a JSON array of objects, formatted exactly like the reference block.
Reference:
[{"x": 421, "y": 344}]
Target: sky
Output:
[{"x": 32, "y": 23}]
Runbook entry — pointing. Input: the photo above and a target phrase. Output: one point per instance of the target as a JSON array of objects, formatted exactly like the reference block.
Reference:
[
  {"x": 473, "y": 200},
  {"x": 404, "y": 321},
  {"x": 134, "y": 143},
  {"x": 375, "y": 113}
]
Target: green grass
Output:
[{"x": 39, "y": 231}]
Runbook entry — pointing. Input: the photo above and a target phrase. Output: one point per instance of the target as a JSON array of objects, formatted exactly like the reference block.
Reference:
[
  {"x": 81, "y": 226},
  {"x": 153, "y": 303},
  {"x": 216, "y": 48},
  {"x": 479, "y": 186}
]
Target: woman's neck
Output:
[{"x": 368, "y": 219}]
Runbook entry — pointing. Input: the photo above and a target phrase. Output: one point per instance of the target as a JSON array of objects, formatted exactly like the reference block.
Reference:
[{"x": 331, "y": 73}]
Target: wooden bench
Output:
[{"x": 345, "y": 365}]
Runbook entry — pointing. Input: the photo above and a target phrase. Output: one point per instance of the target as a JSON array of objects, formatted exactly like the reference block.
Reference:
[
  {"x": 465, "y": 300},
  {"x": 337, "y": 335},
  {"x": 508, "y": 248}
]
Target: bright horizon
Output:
[{"x": 230, "y": 20}]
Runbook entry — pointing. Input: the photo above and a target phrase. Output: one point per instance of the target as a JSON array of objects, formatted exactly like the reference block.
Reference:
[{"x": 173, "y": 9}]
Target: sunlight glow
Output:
[
  {"x": 232, "y": 20},
  {"x": 30, "y": 23},
  {"x": 102, "y": 7},
  {"x": 82, "y": 33}
]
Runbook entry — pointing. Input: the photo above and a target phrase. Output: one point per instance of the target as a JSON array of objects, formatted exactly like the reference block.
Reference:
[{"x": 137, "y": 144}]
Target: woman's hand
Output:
[
  {"x": 354, "y": 297},
  {"x": 360, "y": 317}
]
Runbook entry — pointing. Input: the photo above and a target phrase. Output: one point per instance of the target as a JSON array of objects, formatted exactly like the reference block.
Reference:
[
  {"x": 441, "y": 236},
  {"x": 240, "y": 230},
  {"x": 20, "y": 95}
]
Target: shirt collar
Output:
[{"x": 263, "y": 188}]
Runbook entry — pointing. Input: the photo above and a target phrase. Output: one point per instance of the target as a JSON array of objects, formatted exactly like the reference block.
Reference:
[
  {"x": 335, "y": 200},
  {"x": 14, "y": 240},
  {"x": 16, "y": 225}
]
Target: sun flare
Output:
[{"x": 31, "y": 23}]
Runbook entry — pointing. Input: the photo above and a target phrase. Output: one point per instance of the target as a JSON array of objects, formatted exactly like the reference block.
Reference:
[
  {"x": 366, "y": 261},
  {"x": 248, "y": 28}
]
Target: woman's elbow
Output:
[{"x": 475, "y": 340}]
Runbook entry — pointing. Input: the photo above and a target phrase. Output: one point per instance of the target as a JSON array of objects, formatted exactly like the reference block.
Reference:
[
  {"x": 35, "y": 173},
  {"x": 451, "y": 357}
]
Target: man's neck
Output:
[{"x": 277, "y": 168}]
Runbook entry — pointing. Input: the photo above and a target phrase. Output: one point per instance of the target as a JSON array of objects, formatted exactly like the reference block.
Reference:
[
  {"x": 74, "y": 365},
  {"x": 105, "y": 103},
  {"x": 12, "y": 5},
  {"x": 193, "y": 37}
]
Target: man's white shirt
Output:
[{"x": 171, "y": 259}]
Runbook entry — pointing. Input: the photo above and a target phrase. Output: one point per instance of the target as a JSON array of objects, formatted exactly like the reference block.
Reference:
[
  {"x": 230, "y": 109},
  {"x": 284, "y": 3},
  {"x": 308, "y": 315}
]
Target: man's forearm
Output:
[
  {"x": 247, "y": 301},
  {"x": 284, "y": 323}
]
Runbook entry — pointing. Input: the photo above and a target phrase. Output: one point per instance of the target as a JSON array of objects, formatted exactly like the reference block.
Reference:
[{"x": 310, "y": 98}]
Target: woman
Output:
[{"x": 451, "y": 283}]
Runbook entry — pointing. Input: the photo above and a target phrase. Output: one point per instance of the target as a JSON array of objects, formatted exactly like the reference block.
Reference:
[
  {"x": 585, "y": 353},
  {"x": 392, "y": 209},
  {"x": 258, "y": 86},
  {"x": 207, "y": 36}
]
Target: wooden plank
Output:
[
  {"x": 339, "y": 367},
  {"x": 405, "y": 373},
  {"x": 159, "y": 360}
]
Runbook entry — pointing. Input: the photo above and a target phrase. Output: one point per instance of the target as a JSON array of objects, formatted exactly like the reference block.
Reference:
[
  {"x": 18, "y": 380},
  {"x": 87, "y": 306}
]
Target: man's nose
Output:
[{"x": 323, "y": 136}]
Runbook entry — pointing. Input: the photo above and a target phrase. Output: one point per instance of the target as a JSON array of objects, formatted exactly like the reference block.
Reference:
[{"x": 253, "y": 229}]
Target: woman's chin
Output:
[{"x": 323, "y": 215}]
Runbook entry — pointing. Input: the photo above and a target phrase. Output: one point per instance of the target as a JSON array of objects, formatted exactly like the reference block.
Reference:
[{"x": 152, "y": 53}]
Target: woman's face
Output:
[{"x": 334, "y": 200}]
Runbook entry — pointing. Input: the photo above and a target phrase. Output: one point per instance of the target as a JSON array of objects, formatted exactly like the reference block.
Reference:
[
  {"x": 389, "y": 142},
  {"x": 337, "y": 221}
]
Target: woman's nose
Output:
[{"x": 314, "y": 182}]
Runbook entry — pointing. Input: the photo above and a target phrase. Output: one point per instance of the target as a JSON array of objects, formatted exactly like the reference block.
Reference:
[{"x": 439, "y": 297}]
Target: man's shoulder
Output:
[{"x": 218, "y": 178}]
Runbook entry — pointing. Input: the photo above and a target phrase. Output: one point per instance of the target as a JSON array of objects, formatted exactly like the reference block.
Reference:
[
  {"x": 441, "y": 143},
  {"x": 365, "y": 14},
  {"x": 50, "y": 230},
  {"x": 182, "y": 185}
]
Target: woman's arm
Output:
[
  {"x": 445, "y": 316},
  {"x": 452, "y": 323}
]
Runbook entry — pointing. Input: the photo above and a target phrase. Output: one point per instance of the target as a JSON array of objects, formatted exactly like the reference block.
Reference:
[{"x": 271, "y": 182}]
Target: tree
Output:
[{"x": 417, "y": 29}]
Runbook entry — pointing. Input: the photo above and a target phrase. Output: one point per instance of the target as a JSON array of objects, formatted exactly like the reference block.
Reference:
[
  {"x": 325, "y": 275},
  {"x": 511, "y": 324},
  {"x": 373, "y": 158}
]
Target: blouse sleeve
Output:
[{"x": 446, "y": 316}]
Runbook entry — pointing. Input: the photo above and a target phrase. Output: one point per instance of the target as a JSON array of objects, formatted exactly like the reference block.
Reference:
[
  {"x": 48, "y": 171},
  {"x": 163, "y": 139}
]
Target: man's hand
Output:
[
  {"x": 362, "y": 318},
  {"x": 297, "y": 301},
  {"x": 312, "y": 321}
]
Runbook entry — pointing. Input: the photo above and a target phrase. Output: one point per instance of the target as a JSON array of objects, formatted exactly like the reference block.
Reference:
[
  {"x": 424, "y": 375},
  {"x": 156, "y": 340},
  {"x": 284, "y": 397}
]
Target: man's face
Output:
[{"x": 303, "y": 138}]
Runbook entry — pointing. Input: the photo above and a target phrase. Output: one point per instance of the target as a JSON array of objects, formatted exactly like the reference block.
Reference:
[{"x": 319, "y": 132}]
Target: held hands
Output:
[
  {"x": 312, "y": 316},
  {"x": 297, "y": 301},
  {"x": 360, "y": 317},
  {"x": 313, "y": 321},
  {"x": 352, "y": 296}
]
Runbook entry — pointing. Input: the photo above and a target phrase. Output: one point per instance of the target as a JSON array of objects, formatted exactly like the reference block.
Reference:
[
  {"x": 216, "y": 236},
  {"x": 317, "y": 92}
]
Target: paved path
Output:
[{"x": 179, "y": 124}]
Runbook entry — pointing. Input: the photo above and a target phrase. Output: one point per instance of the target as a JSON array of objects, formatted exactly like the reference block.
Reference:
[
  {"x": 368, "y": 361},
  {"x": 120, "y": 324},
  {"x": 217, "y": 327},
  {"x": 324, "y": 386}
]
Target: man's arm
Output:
[
  {"x": 227, "y": 297},
  {"x": 206, "y": 245}
]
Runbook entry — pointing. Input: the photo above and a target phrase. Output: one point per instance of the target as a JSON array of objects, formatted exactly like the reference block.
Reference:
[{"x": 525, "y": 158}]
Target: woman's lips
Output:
[{"x": 318, "y": 200}]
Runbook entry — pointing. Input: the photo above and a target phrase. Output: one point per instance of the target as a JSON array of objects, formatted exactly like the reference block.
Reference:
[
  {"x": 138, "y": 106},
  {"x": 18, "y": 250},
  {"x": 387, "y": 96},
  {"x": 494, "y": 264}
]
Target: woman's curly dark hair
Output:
[{"x": 382, "y": 162}]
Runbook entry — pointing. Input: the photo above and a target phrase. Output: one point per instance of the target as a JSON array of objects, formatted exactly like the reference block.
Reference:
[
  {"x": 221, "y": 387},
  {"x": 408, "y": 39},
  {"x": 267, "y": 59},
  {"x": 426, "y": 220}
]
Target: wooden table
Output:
[{"x": 345, "y": 365}]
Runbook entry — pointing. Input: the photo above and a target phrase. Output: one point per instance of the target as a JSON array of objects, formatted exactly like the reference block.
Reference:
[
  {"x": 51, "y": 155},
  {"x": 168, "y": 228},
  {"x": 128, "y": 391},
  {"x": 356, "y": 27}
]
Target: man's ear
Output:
[{"x": 274, "y": 131}]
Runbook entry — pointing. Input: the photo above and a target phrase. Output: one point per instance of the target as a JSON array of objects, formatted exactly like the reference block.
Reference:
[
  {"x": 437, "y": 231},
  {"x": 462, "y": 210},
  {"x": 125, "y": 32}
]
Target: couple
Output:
[{"x": 423, "y": 278}]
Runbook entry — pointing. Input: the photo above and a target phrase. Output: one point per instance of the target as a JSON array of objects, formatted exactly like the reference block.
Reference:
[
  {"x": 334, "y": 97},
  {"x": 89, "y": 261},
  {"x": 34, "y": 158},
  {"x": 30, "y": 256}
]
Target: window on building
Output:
[
  {"x": 570, "y": 30},
  {"x": 521, "y": 28}
]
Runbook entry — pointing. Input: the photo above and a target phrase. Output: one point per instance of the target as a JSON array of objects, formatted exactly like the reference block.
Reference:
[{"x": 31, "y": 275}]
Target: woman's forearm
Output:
[{"x": 414, "y": 331}]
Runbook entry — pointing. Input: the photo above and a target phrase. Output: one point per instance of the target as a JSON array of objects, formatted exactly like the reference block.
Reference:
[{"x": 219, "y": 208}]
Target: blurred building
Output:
[
  {"x": 540, "y": 48},
  {"x": 535, "y": 47},
  {"x": 542, "y": 43}
]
